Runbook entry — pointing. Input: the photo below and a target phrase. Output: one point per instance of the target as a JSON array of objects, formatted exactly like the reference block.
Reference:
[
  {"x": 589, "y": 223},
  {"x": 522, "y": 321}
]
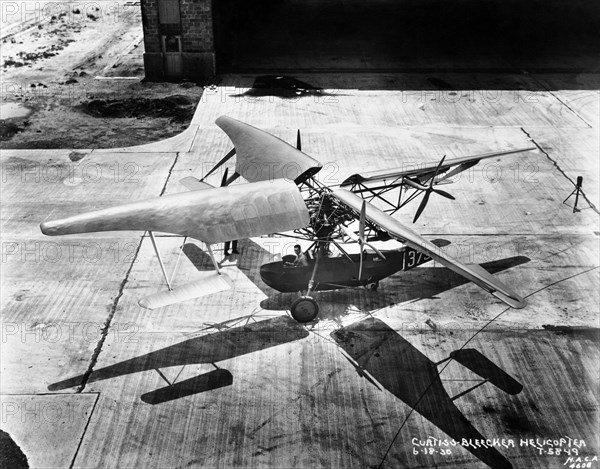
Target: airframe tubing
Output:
[{"x": 162, "y": 266}]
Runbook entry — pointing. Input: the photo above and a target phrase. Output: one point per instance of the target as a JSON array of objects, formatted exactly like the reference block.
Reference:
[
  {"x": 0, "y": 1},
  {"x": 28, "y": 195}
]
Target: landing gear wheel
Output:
[
  {"x": 304, "y": 309},
  {"x": 373, "y": 286}
]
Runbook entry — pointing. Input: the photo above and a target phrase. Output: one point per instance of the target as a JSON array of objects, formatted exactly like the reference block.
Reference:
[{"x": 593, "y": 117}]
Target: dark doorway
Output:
[{"x": 406, "y": 35}]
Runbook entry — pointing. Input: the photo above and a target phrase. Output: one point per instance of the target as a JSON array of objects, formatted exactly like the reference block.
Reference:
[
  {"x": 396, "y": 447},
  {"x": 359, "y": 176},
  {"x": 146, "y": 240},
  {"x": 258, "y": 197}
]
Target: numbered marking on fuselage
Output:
[{"x": 414, "y": 258}]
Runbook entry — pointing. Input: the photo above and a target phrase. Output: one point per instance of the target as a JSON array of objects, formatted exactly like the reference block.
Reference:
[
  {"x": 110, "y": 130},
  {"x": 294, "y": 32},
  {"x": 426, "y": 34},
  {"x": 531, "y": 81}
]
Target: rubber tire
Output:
[
  {"x": 304, "y": 309},
  {"x": 373, "y": 286}
]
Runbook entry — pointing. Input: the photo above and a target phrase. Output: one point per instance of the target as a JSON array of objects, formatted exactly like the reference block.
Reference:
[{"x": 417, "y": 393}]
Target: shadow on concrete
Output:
[
  {"x": 399, "y": 367},
  {"x": 206, "y": 382},
  {"x": 283, "y": 87},
  {"x": 428, "y": 282},
  {"x": 414, "y": 285},
  {"x": 11, "y": 455},
  {"x": 481, "y": 365},
  {"x": 198, "y": 257},
  {"x": 251, "y": 256},
  {"x": 211, "y": 348}
]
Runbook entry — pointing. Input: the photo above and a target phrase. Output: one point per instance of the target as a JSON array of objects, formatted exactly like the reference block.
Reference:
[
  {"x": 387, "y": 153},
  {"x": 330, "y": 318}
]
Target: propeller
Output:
[
  {"x": 459, "y": 169},
  {"x": 224, "y": 180},
  {"x": 220, "y": 163},
  {"x": 298, "y": 141},
  {"x": 361, "y": 235},
  {"x": 360, "y": 239},
  {"x": 429, "y": 189}
]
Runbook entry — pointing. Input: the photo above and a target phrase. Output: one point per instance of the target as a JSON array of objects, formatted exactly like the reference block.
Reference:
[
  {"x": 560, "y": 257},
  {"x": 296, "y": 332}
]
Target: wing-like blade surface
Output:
[
  {"x": 396, "y": 230},
  {"x": 195, "y": 184},
  {"x": 464, "y": 162},
  {"x": 211, "y": 215},
  {"x": 210, "y": 283},
  {"x": 262, "y": 156}
]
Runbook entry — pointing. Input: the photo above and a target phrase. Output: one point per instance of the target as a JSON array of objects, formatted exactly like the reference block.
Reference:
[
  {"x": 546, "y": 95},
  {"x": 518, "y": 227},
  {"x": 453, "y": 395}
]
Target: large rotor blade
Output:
[
  {"x": 264, "y": 157},
  {"x": 298, "y": 141},
  {"x": 396, "y": 230},
  {"x": 211, "y": 215},
  {"x": 463, "y": 163}
]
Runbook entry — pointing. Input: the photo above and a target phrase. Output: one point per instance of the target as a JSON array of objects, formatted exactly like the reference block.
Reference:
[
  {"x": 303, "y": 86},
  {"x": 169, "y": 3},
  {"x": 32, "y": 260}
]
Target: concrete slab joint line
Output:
[
  {"x": 560, "y": 170},
  {"x": 570, "y": 109},
  {"x": 113, "y": 309},
  {"x": 164, "y": 189},
  {"x": 541, "y": 83},
  {"x": 84, "y": 431},
  {"x": 108, "y": 321}
]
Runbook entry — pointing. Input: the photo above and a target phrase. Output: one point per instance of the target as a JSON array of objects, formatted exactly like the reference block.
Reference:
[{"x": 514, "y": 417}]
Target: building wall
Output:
[{"x": 189, "y": 20}]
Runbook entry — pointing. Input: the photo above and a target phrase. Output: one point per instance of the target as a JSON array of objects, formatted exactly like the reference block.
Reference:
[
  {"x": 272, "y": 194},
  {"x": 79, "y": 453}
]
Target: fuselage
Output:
[{"x": 339, "y": 272}]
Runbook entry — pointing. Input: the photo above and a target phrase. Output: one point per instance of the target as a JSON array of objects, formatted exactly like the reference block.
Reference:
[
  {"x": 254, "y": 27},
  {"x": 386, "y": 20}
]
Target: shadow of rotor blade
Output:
[
  {"x": 206, "y": 382},
  {"x": 209, "y": 348},
  {"x": 484, "y": 367},
  {"x": 503, "y": 264},
  {"x": 251, "y": 257},
  {"x": 413, "y": 378},
  {"x": 198, "y": 257},
  {"x": 429, "y": 282}
]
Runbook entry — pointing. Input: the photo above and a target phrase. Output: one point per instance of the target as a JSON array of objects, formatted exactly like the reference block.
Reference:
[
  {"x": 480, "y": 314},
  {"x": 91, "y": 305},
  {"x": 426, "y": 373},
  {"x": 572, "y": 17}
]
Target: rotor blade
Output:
[
  {"x": 422, "y": 206},
  {"x": 220, "y": 163},
  {"x": 396, "y": 230},
  {"x": 206, "y": 215},
  {"x": 395, "y": 173},
  {"x": 264, "y": 157},
  {"x": 444, "y": 194},
  {"x": 298, "y": 141}
]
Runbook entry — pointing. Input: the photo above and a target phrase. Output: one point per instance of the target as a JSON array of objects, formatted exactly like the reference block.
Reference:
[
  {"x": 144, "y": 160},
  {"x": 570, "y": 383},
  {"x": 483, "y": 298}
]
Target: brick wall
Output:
[
  {"x": 197, "y": 26},
  {"x": 197, "y": 38},
  {"x": 150, "y": 26}
]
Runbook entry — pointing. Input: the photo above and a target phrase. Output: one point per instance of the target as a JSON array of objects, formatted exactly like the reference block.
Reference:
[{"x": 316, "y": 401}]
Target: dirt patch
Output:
[
  {"x": 79, "y": 71},
  {"x": 178, "y": 108},
  {"x": 7, "y": 130}
]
